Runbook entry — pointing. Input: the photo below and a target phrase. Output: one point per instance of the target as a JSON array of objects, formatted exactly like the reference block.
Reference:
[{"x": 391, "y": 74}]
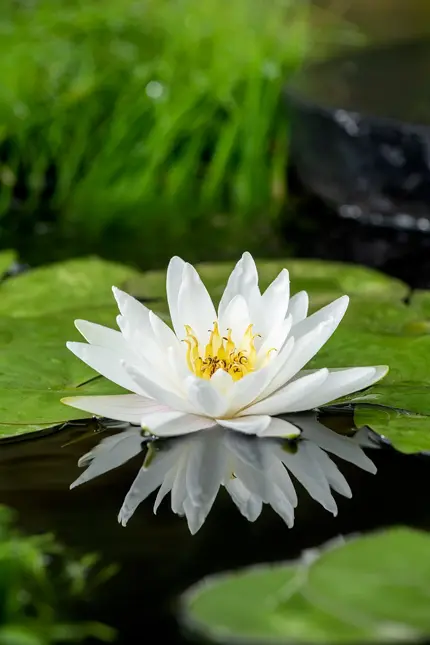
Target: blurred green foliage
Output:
[
  {"x": 146, "y": 121},
  {"x": 39, "y": 585}
]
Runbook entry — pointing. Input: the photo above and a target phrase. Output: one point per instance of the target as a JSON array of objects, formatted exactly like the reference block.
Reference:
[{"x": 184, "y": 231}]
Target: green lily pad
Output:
[
  {"x": 27, "y": 409},
  {"x": 380, "y": 579},
  {"x": 324, "y": 281},
  {"x": 63, "y": 287},
  {"x": 37, "y": 311},
  {"x": 371, "y": 589},
  {"x": 244, "y": 608},
  {"x": 37, "y": 370},
  {"x": 7, "y": 258},
  {"x": 407, "y": 432}
]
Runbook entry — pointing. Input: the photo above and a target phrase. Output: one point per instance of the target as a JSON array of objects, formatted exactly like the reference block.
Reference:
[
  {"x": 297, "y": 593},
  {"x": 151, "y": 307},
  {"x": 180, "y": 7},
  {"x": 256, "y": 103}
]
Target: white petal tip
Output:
[
  {"x": 382, "y": 370},
  {"x": 122, "y": 519},
  {"x": 69, "y": 400},
  {"x": 117, "y": 294}
]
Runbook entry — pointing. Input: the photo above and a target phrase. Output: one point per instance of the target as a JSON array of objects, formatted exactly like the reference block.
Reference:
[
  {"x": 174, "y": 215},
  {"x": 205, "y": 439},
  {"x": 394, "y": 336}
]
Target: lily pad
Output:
[
  {"x": 380, "y": 579},
  {"x": 373, "y": 588},
  {"x": 406, "y": 431},
  {"x": 7, "y": 258},
  {"x": 63, "y": 287},
  {"x": 37, "y": 311},
  {"x": 36, "y": 371}
]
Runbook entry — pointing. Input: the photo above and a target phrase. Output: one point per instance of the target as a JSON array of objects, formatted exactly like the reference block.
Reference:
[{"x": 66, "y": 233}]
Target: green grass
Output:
[{"x": 160, "y": 120}]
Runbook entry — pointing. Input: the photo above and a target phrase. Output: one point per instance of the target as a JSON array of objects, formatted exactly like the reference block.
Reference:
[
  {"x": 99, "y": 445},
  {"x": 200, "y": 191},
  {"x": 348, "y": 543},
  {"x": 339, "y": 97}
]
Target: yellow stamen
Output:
[{"x": 222, "y": 353}]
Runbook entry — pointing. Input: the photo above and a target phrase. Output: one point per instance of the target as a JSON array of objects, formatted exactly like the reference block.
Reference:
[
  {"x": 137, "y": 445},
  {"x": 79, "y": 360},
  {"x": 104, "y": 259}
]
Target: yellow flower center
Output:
[{"x": 221, "y": 353}]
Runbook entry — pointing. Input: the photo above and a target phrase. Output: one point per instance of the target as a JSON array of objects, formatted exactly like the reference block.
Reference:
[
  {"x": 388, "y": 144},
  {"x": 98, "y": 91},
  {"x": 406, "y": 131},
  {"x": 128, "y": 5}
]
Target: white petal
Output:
[
  {"x": 298, "y": 306},
  {"x": 205, "y": 398},
  {"x": 107, "y": 363},
  {"x": 246, "y": 390},
  {"x": 146, "y": 482},
  {"x": 274, "y": 303},
  {"x": 171, "y": 424},
  {"x": 277, "y": 366},
  {"x": 285, "y": 400},
  {"x": 307, "y": 471},
  {"x": 162, "y": 332},
  {"x": 148, "y": 339},
  {"x": 144, "y": 347},
  {"x": 111, "y": 453},
  {"x": 121, "y": 407},
  {"x": 304, "y": 349},
  {"x": 342, "y": 447},
  {"x": 276, "y": 339},
  {"x": 156, "y": 391},
  {"x": 342, "y": 382},
  {"x": 173, "y": 284},
  {"x": 280, "y": 428},
  {"x": 134, "y": 312},
  {"x": 248, "y": 425},
  {"x": 334, "y": 312},
  {"x": 235, "y": 317},
  {"x": 195, "y": 305},
  {"x": 102, "y": 336},
  {"x": 223, "y": 382},
  {"x": 243, "y": 281},
  {"x": 248, "y": 504}
]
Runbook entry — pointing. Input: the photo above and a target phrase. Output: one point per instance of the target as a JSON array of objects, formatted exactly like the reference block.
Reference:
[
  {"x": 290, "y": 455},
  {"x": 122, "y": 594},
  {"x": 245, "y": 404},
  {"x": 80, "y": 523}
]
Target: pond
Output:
[{"x": 157, "y": 557}]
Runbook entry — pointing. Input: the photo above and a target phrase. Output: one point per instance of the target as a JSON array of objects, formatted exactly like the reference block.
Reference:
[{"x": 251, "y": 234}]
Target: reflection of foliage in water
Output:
[{"x": 40, "y": 587}]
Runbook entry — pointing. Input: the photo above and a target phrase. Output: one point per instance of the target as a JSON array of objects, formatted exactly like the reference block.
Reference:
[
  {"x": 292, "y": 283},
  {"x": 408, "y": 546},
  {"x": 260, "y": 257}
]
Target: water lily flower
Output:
[
  {"x": 237, "y": 367},
  {"x": 253, "y": 470}
]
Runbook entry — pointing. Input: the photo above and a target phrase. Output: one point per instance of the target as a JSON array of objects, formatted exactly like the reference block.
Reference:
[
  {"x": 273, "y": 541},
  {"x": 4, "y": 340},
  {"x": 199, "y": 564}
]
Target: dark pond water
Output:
[{"x": 158, "y": 557}]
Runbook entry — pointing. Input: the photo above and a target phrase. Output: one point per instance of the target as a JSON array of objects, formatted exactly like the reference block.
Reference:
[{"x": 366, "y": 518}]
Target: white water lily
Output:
[
  {"x": 253, "y": 470},
  {"x": 237, "y": 367}
]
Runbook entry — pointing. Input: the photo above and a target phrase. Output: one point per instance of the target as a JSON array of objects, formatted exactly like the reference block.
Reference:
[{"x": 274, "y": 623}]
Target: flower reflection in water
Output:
[{"x": 254, "y": 470}]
